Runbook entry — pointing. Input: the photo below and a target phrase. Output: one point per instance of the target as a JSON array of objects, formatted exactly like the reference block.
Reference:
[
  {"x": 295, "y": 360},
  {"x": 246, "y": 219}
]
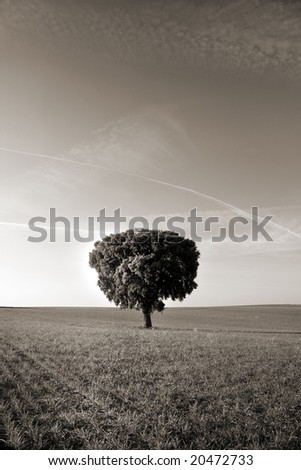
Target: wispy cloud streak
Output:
[{"x": 225, "y": 204}]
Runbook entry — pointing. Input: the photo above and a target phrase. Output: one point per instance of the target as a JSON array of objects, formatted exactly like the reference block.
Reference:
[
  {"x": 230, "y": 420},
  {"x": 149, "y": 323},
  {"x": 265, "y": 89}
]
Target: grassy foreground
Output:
[{"x": 202, "y": 379}]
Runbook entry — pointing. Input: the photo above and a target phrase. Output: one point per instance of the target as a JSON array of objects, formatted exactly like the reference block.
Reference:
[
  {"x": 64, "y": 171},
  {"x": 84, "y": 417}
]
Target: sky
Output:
[{"x": 156, "y": 108}]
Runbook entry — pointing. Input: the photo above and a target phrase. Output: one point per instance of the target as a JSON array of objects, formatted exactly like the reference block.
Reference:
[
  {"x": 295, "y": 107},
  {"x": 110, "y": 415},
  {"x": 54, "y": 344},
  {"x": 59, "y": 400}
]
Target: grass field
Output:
[{"x": 210, "y": 378}]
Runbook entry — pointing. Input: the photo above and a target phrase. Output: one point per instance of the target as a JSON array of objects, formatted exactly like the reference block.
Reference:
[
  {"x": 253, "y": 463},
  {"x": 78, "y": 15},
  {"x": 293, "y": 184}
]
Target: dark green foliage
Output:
[{"x": 139, "y": 269}]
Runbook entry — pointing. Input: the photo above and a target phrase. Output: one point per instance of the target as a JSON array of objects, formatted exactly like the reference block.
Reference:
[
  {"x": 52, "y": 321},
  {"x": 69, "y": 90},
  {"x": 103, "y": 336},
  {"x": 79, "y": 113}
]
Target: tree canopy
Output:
[{"x": 140, "y": 269}]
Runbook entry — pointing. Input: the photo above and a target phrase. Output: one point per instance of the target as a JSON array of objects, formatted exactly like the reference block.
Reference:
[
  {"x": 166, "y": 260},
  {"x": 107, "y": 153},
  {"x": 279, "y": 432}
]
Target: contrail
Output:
[
  {"x": 227, "y": 205},
  {"x": 237, "y": 210},
  {"x": 52, "y": 157},
  {"x": 14, "y": 224},
  {"x": 48, "y": 227}
]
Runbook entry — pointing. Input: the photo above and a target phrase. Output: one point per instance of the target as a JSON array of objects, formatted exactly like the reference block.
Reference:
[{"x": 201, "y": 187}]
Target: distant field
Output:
[{"x": 208, "y": 378}]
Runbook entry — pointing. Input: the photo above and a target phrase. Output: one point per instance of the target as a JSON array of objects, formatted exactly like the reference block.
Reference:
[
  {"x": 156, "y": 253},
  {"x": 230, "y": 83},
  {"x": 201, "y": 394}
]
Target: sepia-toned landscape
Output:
[
  {"x": 87, "y": 378},
  {"x": 150, "y": 228}
]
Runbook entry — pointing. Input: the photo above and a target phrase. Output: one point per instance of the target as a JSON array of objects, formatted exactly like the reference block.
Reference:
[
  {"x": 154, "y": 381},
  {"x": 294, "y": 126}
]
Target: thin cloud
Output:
[
  {"x": 224, "y": 204},
  {"x": 262, "y": 36}
]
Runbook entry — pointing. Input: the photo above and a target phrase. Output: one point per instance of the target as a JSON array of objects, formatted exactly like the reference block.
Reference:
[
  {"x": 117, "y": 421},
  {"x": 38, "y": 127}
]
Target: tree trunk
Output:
[{"x": 147, "y": 320}]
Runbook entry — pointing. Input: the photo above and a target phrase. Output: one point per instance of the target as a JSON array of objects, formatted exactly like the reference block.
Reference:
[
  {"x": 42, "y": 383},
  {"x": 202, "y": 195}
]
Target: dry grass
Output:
[{"x": 93, "y": 379}]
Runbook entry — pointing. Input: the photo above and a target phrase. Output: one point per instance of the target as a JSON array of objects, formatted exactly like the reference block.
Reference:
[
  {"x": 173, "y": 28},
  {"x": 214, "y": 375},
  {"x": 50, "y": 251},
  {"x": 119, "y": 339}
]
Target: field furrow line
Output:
[
  {"x": 51, "y": 370},
  {"x": 30, "y": 406}
]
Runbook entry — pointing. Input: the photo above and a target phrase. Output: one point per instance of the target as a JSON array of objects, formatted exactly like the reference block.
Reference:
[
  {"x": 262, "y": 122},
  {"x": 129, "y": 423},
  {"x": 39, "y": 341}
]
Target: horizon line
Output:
[{"x": 166, "y": 308}]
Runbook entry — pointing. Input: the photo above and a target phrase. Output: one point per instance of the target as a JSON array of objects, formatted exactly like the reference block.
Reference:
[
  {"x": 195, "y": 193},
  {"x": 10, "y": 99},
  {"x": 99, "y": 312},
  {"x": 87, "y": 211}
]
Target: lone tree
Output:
[{"x": 139, "y": 269}]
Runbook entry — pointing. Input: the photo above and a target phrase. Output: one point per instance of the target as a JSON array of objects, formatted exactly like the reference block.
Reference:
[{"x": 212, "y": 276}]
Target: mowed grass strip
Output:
[{"x": 70, "y": 386}]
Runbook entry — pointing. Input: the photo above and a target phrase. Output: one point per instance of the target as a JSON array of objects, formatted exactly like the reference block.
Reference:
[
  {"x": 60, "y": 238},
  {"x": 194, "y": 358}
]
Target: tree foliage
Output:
[{"x": 140, "y": 269}]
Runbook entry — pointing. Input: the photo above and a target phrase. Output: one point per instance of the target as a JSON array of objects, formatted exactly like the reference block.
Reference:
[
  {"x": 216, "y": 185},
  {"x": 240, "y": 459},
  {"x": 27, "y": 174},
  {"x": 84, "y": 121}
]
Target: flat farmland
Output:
[{"x": 203, "y": 378}]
